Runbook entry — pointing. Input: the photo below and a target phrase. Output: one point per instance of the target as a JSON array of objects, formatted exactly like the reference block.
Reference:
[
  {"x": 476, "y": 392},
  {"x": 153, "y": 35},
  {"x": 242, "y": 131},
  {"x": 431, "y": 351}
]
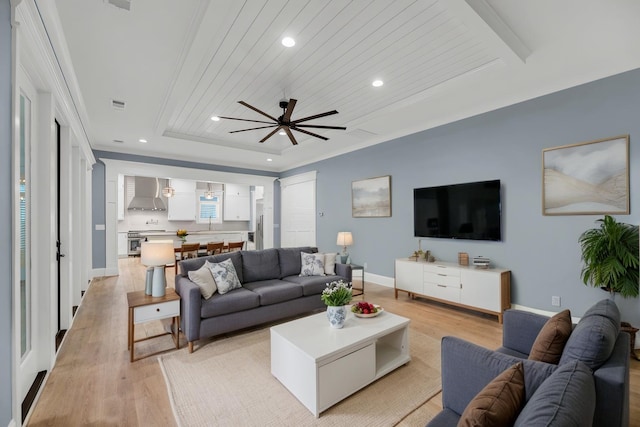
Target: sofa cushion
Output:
[
  {"x": 594, "y": 336},
  {"x": 566, "y": 398},
  {"x": 290, "y": 260},
  {"x": 204, "y": 279},
  {"x": 233, "y": 301},
  {"x": 260, "y": 265},
  {"x": 499, "y": 402},
  {"x": 312, "y": 285},
  {"x": 311, "y": 264},
  {"x": 274, "y": 291},
  {"x": 196, "y": 263},
  {"x": 552, "y": 338},
  {"x": 224, "y": 273}
]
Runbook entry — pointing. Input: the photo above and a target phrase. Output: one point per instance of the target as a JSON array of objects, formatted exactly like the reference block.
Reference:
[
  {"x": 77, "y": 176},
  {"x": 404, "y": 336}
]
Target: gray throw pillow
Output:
[
  {"x": 566, "y": 398},
  {"x": 224, "y": 273},
  {"x": 594, "y": 337},
  {"x": 204, "y": 279}
]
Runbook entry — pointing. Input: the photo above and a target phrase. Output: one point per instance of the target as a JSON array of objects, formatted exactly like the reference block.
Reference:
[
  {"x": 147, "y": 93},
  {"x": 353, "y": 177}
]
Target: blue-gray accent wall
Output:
[
  {"x": 542, "y": 252},
  {"x": 6, "y": 195}
]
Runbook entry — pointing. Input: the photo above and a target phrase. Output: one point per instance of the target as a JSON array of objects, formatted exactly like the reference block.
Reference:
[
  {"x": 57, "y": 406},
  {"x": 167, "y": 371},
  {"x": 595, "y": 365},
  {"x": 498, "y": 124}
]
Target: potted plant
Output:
[
  {"x": 336, "y": 296},
  {"x": 610, "y": 256}
]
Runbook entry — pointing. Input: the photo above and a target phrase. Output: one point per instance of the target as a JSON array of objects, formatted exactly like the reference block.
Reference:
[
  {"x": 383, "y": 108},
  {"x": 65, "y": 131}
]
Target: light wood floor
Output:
[{"x": 93, "y": 382}]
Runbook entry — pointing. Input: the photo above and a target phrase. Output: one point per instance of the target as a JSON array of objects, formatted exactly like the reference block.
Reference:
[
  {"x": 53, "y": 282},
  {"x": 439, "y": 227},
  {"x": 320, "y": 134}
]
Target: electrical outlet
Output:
[{"x": 555, "y": 301}]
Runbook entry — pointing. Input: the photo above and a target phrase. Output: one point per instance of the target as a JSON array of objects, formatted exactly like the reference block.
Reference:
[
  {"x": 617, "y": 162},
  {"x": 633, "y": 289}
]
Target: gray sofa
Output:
[
  {"x": 596, "y": 342},
  {"x": 271, "y": 290}
]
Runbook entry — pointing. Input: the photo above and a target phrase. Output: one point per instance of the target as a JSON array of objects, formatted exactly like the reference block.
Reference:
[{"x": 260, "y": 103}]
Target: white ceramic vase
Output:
[{"x": 337, "y": 315}]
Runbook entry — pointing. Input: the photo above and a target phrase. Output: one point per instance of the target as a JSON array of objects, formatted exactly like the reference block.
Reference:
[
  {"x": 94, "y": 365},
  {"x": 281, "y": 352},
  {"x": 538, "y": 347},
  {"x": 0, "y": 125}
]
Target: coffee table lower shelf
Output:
[{"x": 321, "y": 366}]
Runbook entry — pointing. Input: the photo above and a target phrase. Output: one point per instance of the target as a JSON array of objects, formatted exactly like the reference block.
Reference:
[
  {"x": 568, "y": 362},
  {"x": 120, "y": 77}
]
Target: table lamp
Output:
[
  {"x": 156, "y": 255},
  {"x": 344, "y": 239}
]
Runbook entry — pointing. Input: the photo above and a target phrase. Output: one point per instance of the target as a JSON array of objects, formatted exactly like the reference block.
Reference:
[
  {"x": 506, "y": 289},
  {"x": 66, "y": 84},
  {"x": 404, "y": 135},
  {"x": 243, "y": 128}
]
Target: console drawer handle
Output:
[
  {"x": 441, "y": 286},
  {"x": 158, "y": 310}
]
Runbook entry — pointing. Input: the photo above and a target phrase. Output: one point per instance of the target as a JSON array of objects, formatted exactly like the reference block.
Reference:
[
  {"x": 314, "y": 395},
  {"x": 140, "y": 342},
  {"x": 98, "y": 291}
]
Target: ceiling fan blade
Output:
[
  {"x": 310, "y": 133},
  {"x": 257, "y": 111},
  {"x": 270, "y": 134},
  {"x": 244, "y": 130},
  {"x": 317, "y": 116},
  {"x": 320, "y": 127},
  {"x": 243, "y": 120},
  {"x": 291, "y": 137},
  {"x": 290, "y": 106}
]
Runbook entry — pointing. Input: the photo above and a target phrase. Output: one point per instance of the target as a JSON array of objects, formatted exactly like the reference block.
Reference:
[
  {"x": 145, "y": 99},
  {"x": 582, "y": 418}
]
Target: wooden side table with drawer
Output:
[{"x": 145, "y": 308}]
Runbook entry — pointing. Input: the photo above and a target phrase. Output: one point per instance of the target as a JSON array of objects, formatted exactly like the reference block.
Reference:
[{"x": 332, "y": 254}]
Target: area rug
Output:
[{"x": 229, "y": 383}]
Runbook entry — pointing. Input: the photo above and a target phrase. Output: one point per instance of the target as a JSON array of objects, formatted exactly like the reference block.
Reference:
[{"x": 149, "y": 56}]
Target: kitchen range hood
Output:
[{"x": 146, "y": 195}]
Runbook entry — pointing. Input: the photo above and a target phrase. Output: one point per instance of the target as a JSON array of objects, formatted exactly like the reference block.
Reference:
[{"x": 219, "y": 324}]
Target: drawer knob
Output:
[{"x": 158, "y": 310}]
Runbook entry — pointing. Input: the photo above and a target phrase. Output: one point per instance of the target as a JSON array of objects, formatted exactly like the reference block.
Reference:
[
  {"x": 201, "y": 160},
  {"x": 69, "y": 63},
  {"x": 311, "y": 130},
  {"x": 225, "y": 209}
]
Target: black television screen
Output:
[{"x": 460, "y": 211}]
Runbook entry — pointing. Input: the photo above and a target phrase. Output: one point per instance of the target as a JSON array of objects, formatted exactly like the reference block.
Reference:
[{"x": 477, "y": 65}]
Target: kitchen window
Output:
[{"x": 210, "y": 210}]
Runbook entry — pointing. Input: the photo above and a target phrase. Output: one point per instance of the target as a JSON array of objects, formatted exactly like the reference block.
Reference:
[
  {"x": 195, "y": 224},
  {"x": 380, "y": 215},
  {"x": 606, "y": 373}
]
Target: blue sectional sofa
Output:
[
  {"x": 596, "y": 342},
  {"x": 272, "y": 289}
]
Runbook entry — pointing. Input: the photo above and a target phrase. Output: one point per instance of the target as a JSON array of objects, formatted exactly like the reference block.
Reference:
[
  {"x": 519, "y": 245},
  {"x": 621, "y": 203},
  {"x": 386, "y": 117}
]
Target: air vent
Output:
[
  {"x": 118, "y": 105},
  {"x": 118, "y": 141}
]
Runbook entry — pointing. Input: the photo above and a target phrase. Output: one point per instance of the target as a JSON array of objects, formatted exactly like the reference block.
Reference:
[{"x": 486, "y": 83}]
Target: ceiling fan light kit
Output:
[{"x": 285, "y": 123}]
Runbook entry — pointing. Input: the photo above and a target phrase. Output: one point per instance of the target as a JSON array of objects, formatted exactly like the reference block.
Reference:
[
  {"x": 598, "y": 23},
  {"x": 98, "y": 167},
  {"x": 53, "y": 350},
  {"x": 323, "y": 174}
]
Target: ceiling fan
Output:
[{"x": 284, "y": 121}]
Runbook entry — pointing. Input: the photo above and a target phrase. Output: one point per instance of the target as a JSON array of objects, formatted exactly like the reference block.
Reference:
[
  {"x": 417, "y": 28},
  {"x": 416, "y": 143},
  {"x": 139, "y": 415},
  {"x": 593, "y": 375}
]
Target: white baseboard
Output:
[
  {"x": 388, "y": 282},
  {"x": 538, "y": 311},
  {"x": 103, "y": 272},
  {"x": 12, "y": 423}
]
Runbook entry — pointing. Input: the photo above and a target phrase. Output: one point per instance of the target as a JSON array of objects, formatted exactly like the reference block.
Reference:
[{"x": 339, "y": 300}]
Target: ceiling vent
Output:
[
  {"x": 118, "y": 105},
  {"x": 121, "y": 4},
  {"x": 118, "y": 141}
]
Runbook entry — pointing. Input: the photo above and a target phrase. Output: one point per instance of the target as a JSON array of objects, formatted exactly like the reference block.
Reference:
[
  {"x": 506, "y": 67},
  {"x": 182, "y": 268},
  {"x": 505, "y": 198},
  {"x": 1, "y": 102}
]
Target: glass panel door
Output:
[{"x": 25, "y": 227}]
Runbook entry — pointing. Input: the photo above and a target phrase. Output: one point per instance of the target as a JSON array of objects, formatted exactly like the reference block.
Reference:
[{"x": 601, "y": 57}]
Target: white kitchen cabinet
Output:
[
  {"x": 123, "y": 246},
  {"x": 121, "y": 198},
  {"x": 182, "y": 206},
  {"x": 237, "y": 202},
  {"x": 485, "y": 290}
]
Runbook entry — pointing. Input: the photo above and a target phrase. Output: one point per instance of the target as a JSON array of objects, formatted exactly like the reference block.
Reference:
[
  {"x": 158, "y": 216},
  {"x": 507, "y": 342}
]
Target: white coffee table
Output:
[{"x": 321, "y": 365}]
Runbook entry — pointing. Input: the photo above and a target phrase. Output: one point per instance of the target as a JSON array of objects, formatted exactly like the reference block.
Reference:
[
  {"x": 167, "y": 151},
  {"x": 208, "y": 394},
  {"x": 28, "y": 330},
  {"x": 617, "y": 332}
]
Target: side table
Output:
[
  {"x": 361, "y": 289},
  {"x": 144, "y": 308}
]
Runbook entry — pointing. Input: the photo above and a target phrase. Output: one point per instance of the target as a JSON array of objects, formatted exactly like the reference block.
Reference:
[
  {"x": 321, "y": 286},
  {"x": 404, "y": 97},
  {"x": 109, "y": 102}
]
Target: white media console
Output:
[{"x": 485, "y": 290}]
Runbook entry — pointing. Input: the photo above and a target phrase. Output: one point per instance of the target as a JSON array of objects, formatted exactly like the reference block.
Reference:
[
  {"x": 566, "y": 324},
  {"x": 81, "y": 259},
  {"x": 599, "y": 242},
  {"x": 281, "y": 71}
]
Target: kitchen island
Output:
[{"x": 201, "y": 237}]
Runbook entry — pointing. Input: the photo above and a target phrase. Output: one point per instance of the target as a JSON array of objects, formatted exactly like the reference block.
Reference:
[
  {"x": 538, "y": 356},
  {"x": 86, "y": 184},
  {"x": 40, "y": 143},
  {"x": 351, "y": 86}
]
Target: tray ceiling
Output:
[{"x": 176, "y": 64}]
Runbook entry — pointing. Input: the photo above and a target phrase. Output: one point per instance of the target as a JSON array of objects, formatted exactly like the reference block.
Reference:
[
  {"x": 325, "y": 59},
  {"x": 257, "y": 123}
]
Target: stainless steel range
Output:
[{"x": 134, "y": 243}]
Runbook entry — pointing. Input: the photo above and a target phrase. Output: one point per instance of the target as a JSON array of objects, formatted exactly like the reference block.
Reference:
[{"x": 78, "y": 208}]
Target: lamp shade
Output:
[
  {"x": 344, "y": 238},
  {"x": 157, "y": 253}
]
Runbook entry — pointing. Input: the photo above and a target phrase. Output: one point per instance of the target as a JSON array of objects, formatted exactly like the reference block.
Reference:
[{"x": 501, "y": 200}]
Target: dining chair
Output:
[
  {"x": 187, "y": 250},
  {"x": 214, "y": 248},
  {"x": 235, "y": 246}
]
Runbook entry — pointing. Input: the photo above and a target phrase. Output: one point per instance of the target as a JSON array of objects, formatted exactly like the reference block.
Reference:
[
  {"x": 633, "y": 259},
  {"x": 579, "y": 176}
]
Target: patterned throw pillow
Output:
[
  {"x": 224, "y": 273},
  {"x": 204, "y": 279},
  {"x": 312, "y": 264}
]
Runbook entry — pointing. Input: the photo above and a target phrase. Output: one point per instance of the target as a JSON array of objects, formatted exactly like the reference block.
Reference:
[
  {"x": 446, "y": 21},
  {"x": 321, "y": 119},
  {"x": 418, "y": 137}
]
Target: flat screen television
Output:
[{"x": 460, "y": 211}]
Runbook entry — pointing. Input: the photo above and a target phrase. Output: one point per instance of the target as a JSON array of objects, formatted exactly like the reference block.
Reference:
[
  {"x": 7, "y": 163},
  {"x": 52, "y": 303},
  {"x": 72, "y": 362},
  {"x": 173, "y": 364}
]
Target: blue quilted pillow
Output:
[{"x": 594, "y": 337}]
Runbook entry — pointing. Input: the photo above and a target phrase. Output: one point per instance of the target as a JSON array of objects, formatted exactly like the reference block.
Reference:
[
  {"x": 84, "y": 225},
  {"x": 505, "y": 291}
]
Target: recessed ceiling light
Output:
[
  {"x": 377, "y": 83},
  {"x": 282, "y": 132},
  {"x": 215, "y": 118},
  {"x": 288, "y": 42},
  {"x": 144, "y": 141},
  {"x": 269, "y": 160}
]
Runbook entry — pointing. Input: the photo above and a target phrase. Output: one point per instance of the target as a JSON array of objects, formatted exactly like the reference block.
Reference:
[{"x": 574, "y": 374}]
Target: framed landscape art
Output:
[
  {"x": 588, "y": 178},
  {"x": 371, "y": 197}
]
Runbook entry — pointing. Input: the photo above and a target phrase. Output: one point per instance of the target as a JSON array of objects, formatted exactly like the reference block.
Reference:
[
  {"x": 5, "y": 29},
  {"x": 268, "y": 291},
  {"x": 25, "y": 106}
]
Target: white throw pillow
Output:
[
  {"x": 204, "y": 279},
  {"x": 330, "y": 264},
  {"x": 312, "y": 264},
  {"x": 224, "y": 273}
]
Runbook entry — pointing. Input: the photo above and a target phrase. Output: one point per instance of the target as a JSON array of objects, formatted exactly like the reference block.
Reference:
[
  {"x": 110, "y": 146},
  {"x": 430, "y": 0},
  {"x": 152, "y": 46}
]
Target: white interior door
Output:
[{"x": 298, "y": 210}]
